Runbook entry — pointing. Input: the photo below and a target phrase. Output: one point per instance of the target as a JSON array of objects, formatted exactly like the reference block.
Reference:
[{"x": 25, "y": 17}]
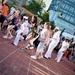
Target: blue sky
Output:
[{"x": 47, "y": 2}]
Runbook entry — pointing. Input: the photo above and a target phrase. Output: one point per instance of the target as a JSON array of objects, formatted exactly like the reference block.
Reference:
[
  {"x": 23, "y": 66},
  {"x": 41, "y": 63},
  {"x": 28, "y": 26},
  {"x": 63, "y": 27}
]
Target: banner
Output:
[{"x": 53, "y": 15}]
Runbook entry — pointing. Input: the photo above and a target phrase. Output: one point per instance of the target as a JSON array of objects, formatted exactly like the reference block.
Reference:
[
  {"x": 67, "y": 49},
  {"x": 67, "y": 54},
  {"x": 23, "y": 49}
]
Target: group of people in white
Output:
[
  {"x": 51, "y": 42},
  {"x": 25, "y": 30}
]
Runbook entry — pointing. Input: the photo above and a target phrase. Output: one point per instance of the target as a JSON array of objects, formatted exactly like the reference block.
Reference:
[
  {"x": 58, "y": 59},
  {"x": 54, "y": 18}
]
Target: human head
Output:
[
  {"x": 47, "y": 25},
  {"x": 17, "y": 12},
  {"x": 34, "y": 19},
  {"x": 66, "y": 39},
  {"x": 25, "y": 17},
  {"x": 56, "y": 29}
]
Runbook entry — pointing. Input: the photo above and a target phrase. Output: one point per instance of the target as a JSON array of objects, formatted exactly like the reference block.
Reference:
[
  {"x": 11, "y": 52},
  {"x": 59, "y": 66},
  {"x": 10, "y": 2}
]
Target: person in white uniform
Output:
[
  {"x": 22, "y": 31},
  {"x": 65, "y": 46},
  {"x": 44, "y": 37},
  {"x": 54, "y": 41}
]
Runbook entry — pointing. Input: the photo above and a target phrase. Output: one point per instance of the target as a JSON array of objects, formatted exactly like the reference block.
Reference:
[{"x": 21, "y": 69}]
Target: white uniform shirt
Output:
[
  {"x": 24, "y": 28},
  {"x": 56, "y": 36},
  {"x": 65, "y": 45}
]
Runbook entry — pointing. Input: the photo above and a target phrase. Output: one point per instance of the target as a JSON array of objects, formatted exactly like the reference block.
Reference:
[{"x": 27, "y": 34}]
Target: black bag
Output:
[{"x": 36, "y": 42}]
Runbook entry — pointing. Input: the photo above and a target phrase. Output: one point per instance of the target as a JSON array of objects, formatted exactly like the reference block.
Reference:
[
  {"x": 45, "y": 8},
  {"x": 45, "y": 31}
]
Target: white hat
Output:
[
  {"x": 25, "y": 17},
  {"x": 56, "y": 28}
]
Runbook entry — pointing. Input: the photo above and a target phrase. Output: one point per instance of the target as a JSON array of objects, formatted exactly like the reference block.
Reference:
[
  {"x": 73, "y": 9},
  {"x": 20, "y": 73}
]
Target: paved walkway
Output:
[{"x": 16, "y": 62}]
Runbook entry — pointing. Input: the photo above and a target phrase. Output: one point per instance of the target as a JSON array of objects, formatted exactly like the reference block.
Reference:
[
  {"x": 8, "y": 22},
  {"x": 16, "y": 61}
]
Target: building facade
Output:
[{"x": 66, "y": 19}]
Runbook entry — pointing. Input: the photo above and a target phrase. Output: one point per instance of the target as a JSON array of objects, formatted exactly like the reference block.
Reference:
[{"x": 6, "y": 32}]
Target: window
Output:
[
  {"x": 67, "y": 17},
  {"x": 63, "y": 5},
  {"x": 72, "y": 19},
  {"x": 73, "y": 1},
  {"x": 71, "y": 9},
  {"x": 67, "y": 7}
]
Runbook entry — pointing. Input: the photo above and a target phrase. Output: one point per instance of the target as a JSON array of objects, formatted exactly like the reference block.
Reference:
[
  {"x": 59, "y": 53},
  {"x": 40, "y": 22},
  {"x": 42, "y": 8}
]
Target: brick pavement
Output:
[{"x": 16, "y": 62}]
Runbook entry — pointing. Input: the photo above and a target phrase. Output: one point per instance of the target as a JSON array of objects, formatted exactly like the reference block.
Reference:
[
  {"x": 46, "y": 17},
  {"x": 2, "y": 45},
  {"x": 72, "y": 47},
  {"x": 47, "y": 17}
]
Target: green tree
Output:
[
  {"x": 12, "y": 4},
  {"x": 52, "y": 25},
  {"x": 45, "y": 17},
  {"x": 35, "y": 6}
]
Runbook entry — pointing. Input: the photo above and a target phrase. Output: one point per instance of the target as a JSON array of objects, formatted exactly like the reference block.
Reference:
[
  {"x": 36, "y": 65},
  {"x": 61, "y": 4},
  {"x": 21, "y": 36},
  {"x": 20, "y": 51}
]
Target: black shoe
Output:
[
  {"x": 45, "y": 57},
  {"x": 13, "y": 44},
  {"x": 49, "y": 58}
]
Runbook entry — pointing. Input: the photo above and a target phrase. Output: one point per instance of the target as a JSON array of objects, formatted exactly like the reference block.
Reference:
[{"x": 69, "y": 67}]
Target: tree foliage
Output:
[
  {"x": 35, "y": 6},
  {"x": 12, "y": 4},
  {"x": 52, "y": 25},
  {"x": 45, "y": 17}
]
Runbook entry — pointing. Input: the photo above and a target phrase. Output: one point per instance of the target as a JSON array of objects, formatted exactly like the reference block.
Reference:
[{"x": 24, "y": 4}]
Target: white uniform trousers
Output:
[
  {"x": 18, "y": 36},
  {"x": 52, "y": 45},
  {"x": 59, "y": 55}
]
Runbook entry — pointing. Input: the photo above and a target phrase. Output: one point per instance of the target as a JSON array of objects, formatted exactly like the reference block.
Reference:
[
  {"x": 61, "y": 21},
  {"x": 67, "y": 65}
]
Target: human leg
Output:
[
  {"x": 59, "y": 56},
  {"x": 29, "y": 36},
  {"x": 50, "y": 49},
  {"x": 17, "y": 38}
]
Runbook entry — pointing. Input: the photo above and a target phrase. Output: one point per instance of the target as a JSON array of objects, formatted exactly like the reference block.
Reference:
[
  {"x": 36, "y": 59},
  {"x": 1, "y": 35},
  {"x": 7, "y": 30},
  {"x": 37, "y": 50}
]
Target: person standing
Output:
[
  {"x": 5, "y": 11},
  {"x": 64, "y": 47},
  {"x": 44, "y": 37},
  {"x": 54, "y": 42}
]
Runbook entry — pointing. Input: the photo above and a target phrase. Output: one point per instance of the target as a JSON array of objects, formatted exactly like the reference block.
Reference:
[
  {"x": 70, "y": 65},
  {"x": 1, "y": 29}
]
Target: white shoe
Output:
[
  {"x": 31, "y": 47},
  {"x": 40, "y": 57},
  {"x": 5, "y": 37},
  {"x": 55, "y": 58},
  {"x": 10, "y": 37},
  {"x": 33, "y": 57},
  {"x": 27, "y": 47}
]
